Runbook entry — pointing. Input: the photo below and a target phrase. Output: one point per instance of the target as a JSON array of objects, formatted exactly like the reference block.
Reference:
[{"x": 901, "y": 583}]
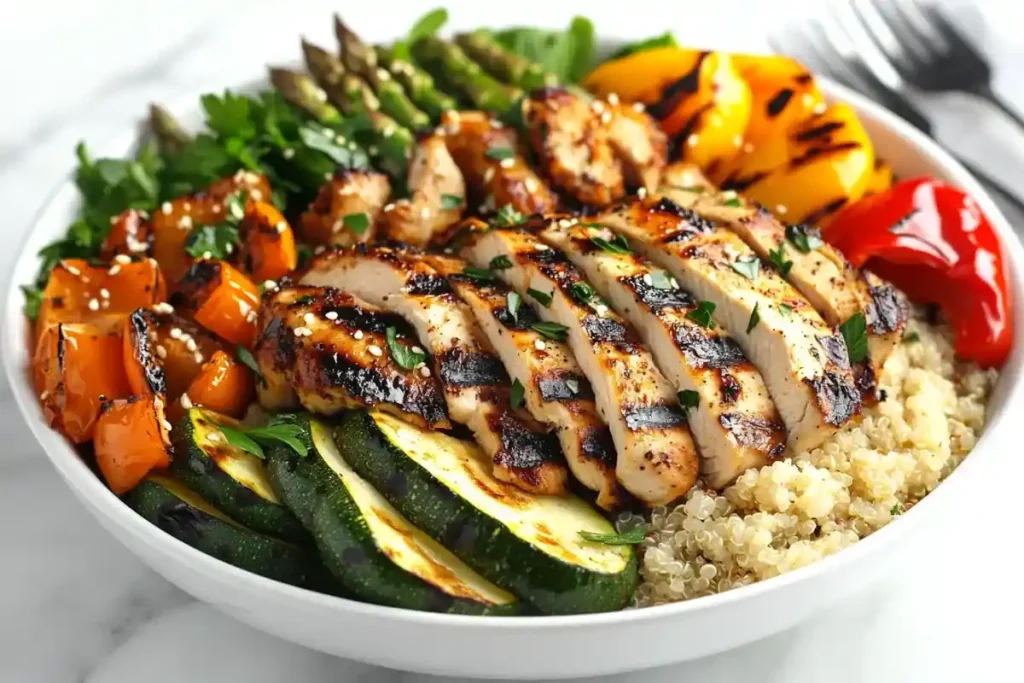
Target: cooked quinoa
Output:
[{"x": 798, "y": 510}]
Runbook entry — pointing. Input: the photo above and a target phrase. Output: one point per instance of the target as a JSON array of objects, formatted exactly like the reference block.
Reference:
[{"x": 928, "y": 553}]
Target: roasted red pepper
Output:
[{"x": 933, "y": 241}]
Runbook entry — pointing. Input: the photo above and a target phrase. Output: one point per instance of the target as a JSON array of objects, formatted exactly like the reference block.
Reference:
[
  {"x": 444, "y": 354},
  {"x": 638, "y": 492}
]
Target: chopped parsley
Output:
[
  {"x": 911, "y": 337},
  {"x": 804, "y": 237},
  {"x": 689, "y": 398},
  {"x": 357, "y": 223},
  {"x": 406, "y": 357},
  {"x": 246, "y": 358},
  {"x": 500, "y": 263},
  {"x": 896, "y": 509},
  {"x": 516, "y": 395},
  {"x": 217, "y": 241},
  {"x": 540, "y": 297},
  {"x": 450, "y": 202},
  {"x": 582, "y": 292},
  {"x": 552, "y": 331},
  {"x": 478, "y": 274},
  {"x": 507, "y": 215},
  {"x": 662, "y": 280},
  {"x": 755, "y": 318},
  {"x": 702, "y": 314},
  {"x": 514, "y": 301},
  {"x": 747, "y": 266},
  {"x": 616, "y": 245},
  {"x": 785, "y": 310},
  {"x": 735, "y": 202},
  {"x": 632, "y": 537},
  {"x": 855, "y": 332},
  {"x": 249, "y": 440},
  {"x": 778, "y": 259},
  {"x": 574, "y": 385},
  {"x": 500, "y": 153},
  {"x": 33, "y": 300}
]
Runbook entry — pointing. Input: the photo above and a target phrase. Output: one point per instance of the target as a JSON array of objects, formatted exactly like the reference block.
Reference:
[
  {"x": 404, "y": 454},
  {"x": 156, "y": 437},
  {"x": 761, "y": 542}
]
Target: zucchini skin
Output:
[
  {"x": 549, "y": 584},
  {"x": 245, "y": 549},
  {"x": 319, "y": 499},
  {"x": 193, "y": 466}
]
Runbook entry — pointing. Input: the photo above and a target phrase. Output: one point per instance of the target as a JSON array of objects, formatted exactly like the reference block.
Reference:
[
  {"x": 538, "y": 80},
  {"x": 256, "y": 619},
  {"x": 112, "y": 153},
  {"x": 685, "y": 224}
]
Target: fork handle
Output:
[{"x": 985, "y": 91}]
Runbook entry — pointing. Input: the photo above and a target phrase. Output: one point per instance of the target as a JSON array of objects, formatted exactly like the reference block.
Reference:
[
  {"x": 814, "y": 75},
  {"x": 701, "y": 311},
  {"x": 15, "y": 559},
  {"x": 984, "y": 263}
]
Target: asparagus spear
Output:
[
  {"x": 448, "y": 60},
  {"x": 303, "y": 92},
  {"x": 360, "y": 59},
  {"x": 502, "y": 63},
  {"x": 170, "y": 136},
  {"x": 417, "y": 82}
]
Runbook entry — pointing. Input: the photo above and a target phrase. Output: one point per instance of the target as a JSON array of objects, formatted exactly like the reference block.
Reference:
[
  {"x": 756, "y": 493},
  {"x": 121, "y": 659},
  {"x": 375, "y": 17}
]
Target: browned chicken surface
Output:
[
  {"x": 637, "y": 140},
  {"x": 437, "y": 195},
  {"x": 347, "y": 209}
]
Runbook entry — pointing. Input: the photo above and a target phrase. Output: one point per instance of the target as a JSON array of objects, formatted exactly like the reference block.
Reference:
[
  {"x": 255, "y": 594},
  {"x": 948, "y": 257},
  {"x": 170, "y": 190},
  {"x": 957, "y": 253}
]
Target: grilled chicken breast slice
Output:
[
  {"x": 333, "y": 351},
  {"x": 804, "y": 362},
  {"x": 554, "y": 388},
  {"x": 572, "y": 146},
  {"x": 681, "y": 175},
  {"x": 476, "y": 386},
  {"x": 637, "y": 141},
  {"x": 438, "y": 195},
  {"x": 350, "y": 192},
  {"x": 487, "y": 153},
  {"x": 656, "y": 458},
  {"x": 733, "y": 419},
  {"x": 830, "y": 283}
]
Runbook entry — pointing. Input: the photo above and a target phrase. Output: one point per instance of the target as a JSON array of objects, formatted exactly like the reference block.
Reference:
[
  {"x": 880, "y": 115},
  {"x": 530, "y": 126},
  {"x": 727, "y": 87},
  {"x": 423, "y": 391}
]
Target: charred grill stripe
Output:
[
  {"x": 460, "y": 368},
  {"x": 554, "y": 386},
  {"x": 522, "y": 448},
  {"x": 886, "y": 312},
  {"x": 835, "y": 348},
  {"x": 778, "y": 102},
  {"x": 677, "y": 91},
  {"x": 741, "y": 183},
  {"x": 597, "y": 444},
  {"x": 817, "y": 152},
  {"x": 703, "y": 350},
  {"x": 356, "y": 318},
  {"x": 662, "y": 416},
  {"x": 546, "y": 256},
  {"x": 656, "y": 298},
  {"x": 600, "y": 329},
  {"x": 837, "y": 397},
  {"x": 422, "y": 284},
  {"x": 525, "y": 317},
  {"x": 667, "y": 206},
  {"x": 153, "y": 371},
  {"x": 756, "y": 432},
  {"x": 283, "y": 340},
  {"x": 825, "y": 130}
]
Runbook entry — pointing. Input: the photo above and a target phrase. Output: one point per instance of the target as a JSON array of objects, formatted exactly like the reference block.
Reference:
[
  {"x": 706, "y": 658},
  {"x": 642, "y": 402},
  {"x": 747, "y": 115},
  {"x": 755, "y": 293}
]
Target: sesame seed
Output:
[
  {"x": 424, "y": 371},
  {"x": 288, "y": 153},
  {"x": 319, "y": 249},
  {"x": 328, "y": 176},
  {"x": 187, "y": 206},
  {"x": 340, "y": 139},
  {"x": 820, "y": 109},
  {"x": 94, "y": 305},
  {"x": 641, "y": 192},
  {"x": 281, "y": 227},
  {"x": 269, "y": 285},
  {"x": 104, "y": 293},
  {"x": 198, "y": 357},
  {"x": 209, "y": 255},
  {"x": 186, "y": 403},
  {"x": 358, "y": 334},
  {"x": 613, "y": 98},
  {"x": 597, "y": 106},
  {"x": 43, "y": 396},
  {"x": 302, "y": 332},
  {"x": 375, "y": 350},
  {"x": 251, "y": 316},
  {"x": 85, "y": 278},
  {"x": 372, "y": 149},
  {"x": 531, "y": 184},
  {"x": 113, "y": 219},
  {"x": 638, "y": 107},
  {"x": 425, "y": 213},
  {"x": 214, "y": 437},
  {"x": 123, "y": 259},
  {"x": 737, "y": 140},
  {"x": 489, "y": 174},
  {"x": 606, "y": 117},
  {"x": 338, "y": 225},
  {"x": 693, "y": 140},
  {"x": 166, "y": 424},
  {"x": 388, "y": 208},
  {"x": 114, "y": 269},
  {"x": 73, "y": 270},
  {"x": 309, "y": 318},
  {"x": 648, "y": 280},
  {"x": 540, "y": 345},
  {"x": 542, "y": 247},
  {"x": 728, "y": 195},
  {"x": 175, "y": 333},
  {"x": 165, "y": 208},
  {"x": 161, "y": 351},
  {"x": 600, "y": 309},
  {"x": 781, "y": 209},
  {"x": 388, "y": 131},
  {"x": 331, "y": 315},
  {"x": 495, "y": 123},
  {"x": 190, "y": 344},
  {"x": 508, "y": 162}
]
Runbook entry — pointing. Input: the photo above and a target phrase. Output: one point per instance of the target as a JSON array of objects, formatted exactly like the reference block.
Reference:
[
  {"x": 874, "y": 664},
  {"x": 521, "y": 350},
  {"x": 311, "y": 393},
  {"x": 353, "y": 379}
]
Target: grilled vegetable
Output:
[
  {"x": 231, "y": 479},
  {"x": 503, "y": 64},
  {"x": 417, "y": 82},
  {"x": 221, "y": 299},
  {"x": 529, "y": 545},
  {"x": 183, "y": 514},
  {"x": 268, "y": 250},
  {"x": 223, "y": 385},
  {"x": 302, "y": 91},
  {"x": 369, "y": 546},
  {"x": 131, "y": 441},
  {"x": 447, "y": 62},
  {"x": 131, "y": 234}
]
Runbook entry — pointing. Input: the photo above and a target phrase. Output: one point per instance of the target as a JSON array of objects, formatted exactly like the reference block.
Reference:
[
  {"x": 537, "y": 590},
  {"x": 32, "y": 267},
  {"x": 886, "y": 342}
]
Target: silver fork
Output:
[
  {"x": 833, "y": 45},
  {"x": 929, "y": 51}
]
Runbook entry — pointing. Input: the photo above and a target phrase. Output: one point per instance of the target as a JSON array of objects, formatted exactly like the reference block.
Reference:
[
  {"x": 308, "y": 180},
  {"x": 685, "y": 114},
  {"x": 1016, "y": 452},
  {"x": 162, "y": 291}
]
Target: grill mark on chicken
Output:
[
  {"x": 755, "y": 431},
  {"x": 835, "y": 349},
  {"x": 705, "y": 351},
  {"x": 427, "y": 284},
  {"x": 658, "y": 298},
  {"x": 598, "y": 445},
  {"x": 460, "y": 368},
  {"x": 663, "y": 416},
  {"x": 522, "y": 449},
  {"x": 606, "y": 330},
  {"x": 524, "y": 318},
  {"x": 837, "y": 397},
  {"x": 554, "y": 386},
  {"x": 886, "y": 312}
]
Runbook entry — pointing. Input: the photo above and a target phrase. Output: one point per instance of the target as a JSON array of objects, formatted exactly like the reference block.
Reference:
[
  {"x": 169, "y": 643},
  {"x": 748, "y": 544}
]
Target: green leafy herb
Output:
[
  {"x": 632, "y": 537},
  {"x": 616, "y": 245},
  {"x": 755, "y": 318},
  {"x": 506, "y": 216},
  {"x": 500, "y": 262},
  {"x": 239, "y": 439},
  {"x": 702, "y": 314},
  {"x": 666, "y": 39},
  {"x": 582, "y": 292},
  {"x": 478, "y": 274},
  {"x": 516, "y": 395},
  {"x": 246, "y": 358},
  {"x": 499, "y": 153},
  {"x": 325, "y": 140},
  {"x": 804, "y": 237},
  {"x": 855, "y": 332},
  {"x": 33, "y": 300},
  {"x": 909, "y": 337},
  {"x": 896, "y": 509},
  {"x": 543, "y": 298},
  {"x": 427, "y": 25},
  {"x": 305, "y": 254},
  {"x": 785, "y": 310},
  {"x": 568, "y": 54},
  {"x": 574, "y": 385},
  {"x": 778, "y": 259},
  {"x": 747, "y": 266},
  {"x": 357, "y": 223},
  {"x": 252, "y": 440},
  {"x": 450, "y": 202},
  {"x": 405, "y": 357},
  {"x": 689, "y": 398},
  {"x": 699, "y": 189},
  {"x": 662, "y": 280},
  {"x": 514, "y": 301},
  {"x": 216, "y": 240},
  {"x": 735, "y": 202},
  {"x": 552, "y": 331}
]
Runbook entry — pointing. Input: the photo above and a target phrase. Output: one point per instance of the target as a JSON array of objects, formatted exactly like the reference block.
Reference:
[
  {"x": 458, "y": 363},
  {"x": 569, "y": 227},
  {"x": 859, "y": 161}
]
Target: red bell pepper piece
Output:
[{"x": 933, "y": 241}]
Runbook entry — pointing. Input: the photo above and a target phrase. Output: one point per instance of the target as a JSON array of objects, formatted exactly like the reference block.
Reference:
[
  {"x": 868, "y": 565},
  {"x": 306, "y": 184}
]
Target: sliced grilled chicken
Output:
[
  {"x": 572, "y": 146},
  {"x": 476, "y": 386},
  {"x": 488, "y": 155},
  {"x": 334, "y": 352},
  {"x": 835, "y": 288},
  {"x": 804, "y": 362},
  {"x": 438, "y": 195},
  {"x": 731, "y": 415},
  {"x": 637, "y": 141},
  {"x": 656, "y": 458},
  {"x": 554, "y": 388},
  {"x": 347, "y": 209}
]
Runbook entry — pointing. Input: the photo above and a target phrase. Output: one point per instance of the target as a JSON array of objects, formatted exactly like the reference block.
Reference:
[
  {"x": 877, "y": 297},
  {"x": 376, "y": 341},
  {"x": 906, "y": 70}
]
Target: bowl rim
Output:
[{"x": 88, "y": 486}]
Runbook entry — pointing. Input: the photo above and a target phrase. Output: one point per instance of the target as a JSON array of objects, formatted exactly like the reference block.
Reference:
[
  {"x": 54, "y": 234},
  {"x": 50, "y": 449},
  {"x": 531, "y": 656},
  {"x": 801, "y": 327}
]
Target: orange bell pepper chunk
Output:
[
  {"x": 78, "y": 292},
  {"x": 132, "y": 439},
  {"x": 131, "y": 234},
  {"x": 76, "y": 367},
  {"x": 224, "y": 386},
  {"x": 222, "y": 299},
  {"x": 269, "y": 251}
]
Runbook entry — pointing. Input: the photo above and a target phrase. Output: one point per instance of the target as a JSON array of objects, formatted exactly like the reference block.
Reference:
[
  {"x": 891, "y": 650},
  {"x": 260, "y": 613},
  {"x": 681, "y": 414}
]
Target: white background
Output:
[{"x": 76, "y": 606}]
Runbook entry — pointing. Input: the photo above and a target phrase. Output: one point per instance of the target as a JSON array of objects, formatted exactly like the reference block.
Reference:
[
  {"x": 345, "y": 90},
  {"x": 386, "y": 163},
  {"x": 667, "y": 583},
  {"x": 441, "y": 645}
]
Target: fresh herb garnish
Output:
[
  {"x": 450, "y": 201},
  {"x": 666, "y": 39},
  {"x": 632, "y": 537},
  {"x": 747, "y": 266},
  {"x": 501, "y": 262},
  {"x": 246, "y": 358},
  {"x": 778, "y": 259},
  {"x": 216, "y": 240},
  {"x": 357, "y": 223},
  {"x": 427, "y": 25},
  {"x": 896, "y": 509},
  {"x": 855, "y": 332},
  {"x": 909, "y": 337},
  {"x": 574, "y": 385},
  {"x": 543, "y": 298},
  {"x": 553, "y": 331},
  {"x": 478, "y": 274},
  {"x": 702, "y": 314},
  {"x": 499, "y": 153},
  {"x": 755, "y": 318},
  {"x": 514, "y": 301},
  {"x": 33, "y": 301},
  {"x": 516, "y": 395},
  {"x": 785, "y": 310},
  {"x": 507, "y": 216},
  {"x": 582, "y": 292},
  {"x": 616, "y": 245},
  {"x": 804, "y": 237},
  {"x": 406, "y": 357},
  {"x": 688, "y": 398},
  {"x": 250, "y": 440},
  {"x": 662, "y": 280},
  {"x": 735, "y": 202},
  {"x": 568, "y": 54}
]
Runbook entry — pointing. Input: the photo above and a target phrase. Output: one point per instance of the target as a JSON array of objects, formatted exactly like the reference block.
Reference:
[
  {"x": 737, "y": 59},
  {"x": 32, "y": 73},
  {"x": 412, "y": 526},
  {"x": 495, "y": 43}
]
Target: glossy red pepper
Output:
[{"x": 933, "y": 241}]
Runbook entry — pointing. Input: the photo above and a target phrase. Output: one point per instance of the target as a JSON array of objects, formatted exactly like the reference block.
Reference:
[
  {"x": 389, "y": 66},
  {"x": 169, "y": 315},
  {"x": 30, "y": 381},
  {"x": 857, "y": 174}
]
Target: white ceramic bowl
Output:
[{"x": 533, "y": 647}]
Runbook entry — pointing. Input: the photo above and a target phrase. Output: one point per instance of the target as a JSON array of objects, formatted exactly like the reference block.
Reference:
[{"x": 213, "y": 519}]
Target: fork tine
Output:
[
  {"x": 899, "y": 39},
  {"x": 955, "y": 41}
]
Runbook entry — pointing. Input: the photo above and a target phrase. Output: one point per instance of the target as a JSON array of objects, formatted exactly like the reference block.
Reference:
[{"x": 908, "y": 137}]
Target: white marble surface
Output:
[{"x": 76, "y": 606}]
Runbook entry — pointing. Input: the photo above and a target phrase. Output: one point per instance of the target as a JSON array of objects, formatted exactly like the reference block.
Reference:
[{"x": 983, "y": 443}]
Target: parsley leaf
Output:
[
  {"x": 288, "y": 434},
  {"x": 662, "y": 280},
  {"x": 634, "y": 536},
  {"x": 507, "y": 216},
  {"x": 666, "y": 39},
  {"x": 755, "y": 318},
  {"x": 427, "y": 25},
  {"x": 855, "y": 332},
  {"x": 689, "y": 398},
  {"x": 246, "y": 358},
  {"x": 785, "y": 310},
  {"x": 582, "y": 292},
  {"x": 909, "y": 337},
  {"x": 500, "y": 262},
  {"x": 747, "y": 266},
  {"x": 735, "y": 202},
  {"x": 514, "y": 301},
  {"x": 896, "y": 509},
  {"x": 405, "y": 357},
  {"x": 778, "y": 259},
  {"x": 499, "y": 153},
  {"x": 568, "y": 54},
  {"x": 804, "y": 237},
  {"x": 516, "y": 395},
  {"x": 33, "y": 300},
  {"x": 239, "y": 439},
  {"x": 553, "y": 331},
  {"x": 702, "y": 314},
  {"x": 357, "y": 223},
  {"x": 216, "y": 240},
  {"x": 542, "y": 298},
  {"x": 574, "y": 385},
  {"x": 450, "y": 202},
  {"x": 616, "y": 245},
  {"x": 478, "y": 274}
]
